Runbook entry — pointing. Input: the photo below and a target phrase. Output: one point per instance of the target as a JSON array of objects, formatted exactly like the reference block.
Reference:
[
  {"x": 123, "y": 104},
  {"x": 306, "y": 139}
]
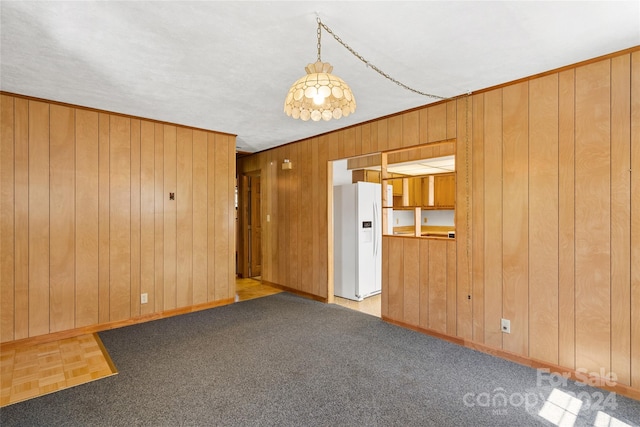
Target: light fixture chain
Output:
[
  {"x": 367, "y": 63},
  {"x": 319, "y": 31}
]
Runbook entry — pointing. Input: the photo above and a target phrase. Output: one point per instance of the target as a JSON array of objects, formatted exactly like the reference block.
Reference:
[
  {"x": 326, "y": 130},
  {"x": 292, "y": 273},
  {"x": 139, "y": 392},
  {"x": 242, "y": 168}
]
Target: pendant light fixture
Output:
[{"x": 319, "y": 94}]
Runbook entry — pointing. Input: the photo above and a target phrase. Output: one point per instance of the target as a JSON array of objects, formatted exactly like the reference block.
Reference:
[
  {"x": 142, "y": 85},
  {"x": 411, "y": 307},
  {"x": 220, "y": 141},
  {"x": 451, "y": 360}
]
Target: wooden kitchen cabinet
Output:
[
  {"x": 425, "y": 189},
  {"x": 396, "y": 183},
  {"x": 444, "y": 191},
  {"x": 431, "y": 192},
  {"x": 415, "y": 192},
  {"x": 365, "y": 175}
]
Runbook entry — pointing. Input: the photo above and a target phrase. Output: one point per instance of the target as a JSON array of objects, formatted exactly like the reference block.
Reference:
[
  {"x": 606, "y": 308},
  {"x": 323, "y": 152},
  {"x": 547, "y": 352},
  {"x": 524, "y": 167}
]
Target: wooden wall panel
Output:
[
  {"x": 438, "y": 285},
  {"x": 21, "y": 218},
  {"x": 383, "y": 134},
  {"x": 437, "y": 123},
  {"x": 566, "y": 247},
  {"x": 103, "y": 217},
  {"x": 222, "y": 209},
  {"x": 211, "y": 208},
  {"x": 424, "y": 283},
  {"x": 321, "y": 266},
  {"x": 410, "y": 128},
  {"x": 147, "y": 215},
  {"x": 477, "y": 217},
  {"x": 515, "y": 206},
  {"x": 621, "y": 218},
  {"x": 283, "y": 212},
  {"x": 411, "y": 281},
  {"x": 200, "y": 213},
  {"x": 86, "y": 218},
  {"x": 316, "y": 212},
  {"x": 332, "y": 146},
  {"x": 7, "y": 215},
  {"x": 338, "y": 137},
  {"x": 452, "y": 125},
  {"x": 493, "y": 222},
  {"x": 635, "y": 220},
  {"x": 62, "y": 218},
  {"x": 293, "y": 196},
  {"x": 374, "y": 137},
  {"x": 395, "y": 294},
  {"x": 267, "y": 199},
  {"x": 184, "y": 244},
  {"x": 39, "y": 228},
  {"x": 394, "y": 132},
  {"x": 263, "y": 165},
  {"x": 120, "y": 218},
  {"x": 305, "y": 216},
  {"x": 135, "y": 183},
  {"x": 365, "y": 138},
  {"x": 384, "y": 297},
  {"x": 543, "y": 214},
  {"x": 349, "y": 142},
  {"x": 273, "y": 224},
  {"x": 593, "y": 216},
  {"x": 159, "y": 201},
  {"x": 170, "y": 217},
  {"x": 452, "y": 302},
  {"x": 358, "y": 138},
  {"x": 462, "y": 306},
  {"x": 276, "y": 196},
  {"x": 423, "y": 134}
]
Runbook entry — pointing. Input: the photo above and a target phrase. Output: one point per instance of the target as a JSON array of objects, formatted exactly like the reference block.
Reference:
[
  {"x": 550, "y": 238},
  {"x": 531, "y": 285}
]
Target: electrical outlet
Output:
[
  {"x": 397, "y": 221},
  {"x": 144, "y": 298},
  {"x": 505, "y": 326},
  {"x": 424, "y": 219}
]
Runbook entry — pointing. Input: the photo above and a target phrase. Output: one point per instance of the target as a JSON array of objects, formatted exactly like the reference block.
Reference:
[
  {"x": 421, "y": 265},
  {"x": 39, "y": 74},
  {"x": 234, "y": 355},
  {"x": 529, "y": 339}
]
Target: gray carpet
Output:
[{"x": 287, "y": 361}]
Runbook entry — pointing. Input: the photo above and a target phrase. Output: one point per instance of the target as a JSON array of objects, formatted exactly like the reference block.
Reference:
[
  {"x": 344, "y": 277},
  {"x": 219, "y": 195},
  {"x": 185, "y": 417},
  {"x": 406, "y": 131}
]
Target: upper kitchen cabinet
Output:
[
  {"x": 444, "y": 188},
  {"x": 365, "y": 175}
]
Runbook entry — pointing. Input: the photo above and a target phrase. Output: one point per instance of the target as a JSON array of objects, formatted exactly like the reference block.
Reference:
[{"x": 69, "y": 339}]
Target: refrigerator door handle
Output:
[{"x": 375, "y": 228}]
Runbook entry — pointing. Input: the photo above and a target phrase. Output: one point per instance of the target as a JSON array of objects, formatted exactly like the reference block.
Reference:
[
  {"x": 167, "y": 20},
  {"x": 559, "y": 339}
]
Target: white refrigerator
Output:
[{"x": 357, "y": 215}]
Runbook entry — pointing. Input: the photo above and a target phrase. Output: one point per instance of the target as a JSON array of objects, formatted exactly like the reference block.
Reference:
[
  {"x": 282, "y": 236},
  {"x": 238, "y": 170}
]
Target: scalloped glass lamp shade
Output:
[{"x": 319, "y": 95}]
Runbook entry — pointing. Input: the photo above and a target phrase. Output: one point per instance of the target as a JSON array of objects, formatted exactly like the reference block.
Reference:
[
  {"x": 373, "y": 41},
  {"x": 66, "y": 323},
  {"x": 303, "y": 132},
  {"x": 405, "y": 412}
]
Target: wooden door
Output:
[{"x": 255, "y": 228}]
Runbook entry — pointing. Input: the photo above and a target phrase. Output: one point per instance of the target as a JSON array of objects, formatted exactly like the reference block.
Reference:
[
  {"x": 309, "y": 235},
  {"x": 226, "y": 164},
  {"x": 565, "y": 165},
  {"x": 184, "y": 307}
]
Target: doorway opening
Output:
[
  {"x": 249, "y": 226},
  {"x": 357, "y": 240}
]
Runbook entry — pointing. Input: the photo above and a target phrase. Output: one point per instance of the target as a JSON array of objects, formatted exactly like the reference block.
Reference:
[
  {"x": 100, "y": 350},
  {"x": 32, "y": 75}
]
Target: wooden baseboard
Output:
[
  {"x": 295, "y": 291},
  {"x": 578, "y": 376},
  {"x": 112, "y": 325}
]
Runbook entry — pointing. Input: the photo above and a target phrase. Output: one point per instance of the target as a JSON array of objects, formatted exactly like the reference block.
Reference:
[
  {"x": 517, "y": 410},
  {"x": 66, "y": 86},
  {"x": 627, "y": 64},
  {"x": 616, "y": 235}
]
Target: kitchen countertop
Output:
[{"x": 433, "y": 231}]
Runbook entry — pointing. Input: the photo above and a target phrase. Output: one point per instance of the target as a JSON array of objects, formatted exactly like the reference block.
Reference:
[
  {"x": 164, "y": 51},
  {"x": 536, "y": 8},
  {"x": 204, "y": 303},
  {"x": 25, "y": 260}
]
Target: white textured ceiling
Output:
[{"x": 227, "y": 66}]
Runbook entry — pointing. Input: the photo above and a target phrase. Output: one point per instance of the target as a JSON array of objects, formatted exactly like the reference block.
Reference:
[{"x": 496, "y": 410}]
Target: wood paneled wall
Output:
[
  {"x": 87, "y": 224},
  {"x": 547, "y": 217}
]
